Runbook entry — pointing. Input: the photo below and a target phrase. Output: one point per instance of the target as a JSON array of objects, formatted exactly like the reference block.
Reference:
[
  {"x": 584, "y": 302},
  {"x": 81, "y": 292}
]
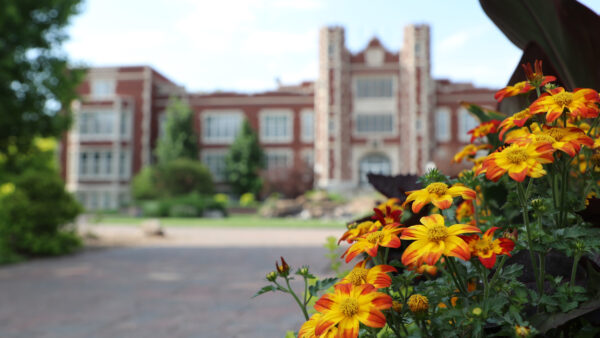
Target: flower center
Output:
[
  {"x": 358, "y": 276},
  {"x": 521, "y": 114},
  {"x": 437, "y": 233},
  {"x": 563, "y": 99},
  {"x": 438, "y": 188},
  {"x": 349, "y": 307},
  {"x": 375, "y": 237},
  {"x": 556, "y": 133},
  {"x": 483, "y": 247},
  {"x": 516, "y": 156},
  {"x": 545, "y": 138}
]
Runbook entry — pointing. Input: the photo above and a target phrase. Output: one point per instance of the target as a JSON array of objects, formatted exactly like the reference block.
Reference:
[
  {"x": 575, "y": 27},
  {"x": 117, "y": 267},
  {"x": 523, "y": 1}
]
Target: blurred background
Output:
[{"x": 175, "y": 149}]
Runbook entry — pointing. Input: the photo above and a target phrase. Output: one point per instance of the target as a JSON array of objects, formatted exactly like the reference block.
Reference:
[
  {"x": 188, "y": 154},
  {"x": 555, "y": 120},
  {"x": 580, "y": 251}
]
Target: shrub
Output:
[
  {"x": 183, "y": 176},
  {"x": 244, "y": 161},
  {"x": 247, "y": 200},
  {"x": 34, "y": 215},
  {"x": 144, "y": 183}
]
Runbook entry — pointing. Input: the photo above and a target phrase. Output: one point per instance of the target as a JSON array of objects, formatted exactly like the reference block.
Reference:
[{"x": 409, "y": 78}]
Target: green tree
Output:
[
  {"x": 36, "y": 86},
  {"x": 244, "y": 161},
  {"x": 180, "y": 139}
]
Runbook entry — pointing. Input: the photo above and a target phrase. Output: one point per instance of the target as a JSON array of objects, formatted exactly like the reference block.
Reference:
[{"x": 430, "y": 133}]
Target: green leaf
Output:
[
  {"x": 320, "y": 285},
  {"x": 265, "y": 289}
]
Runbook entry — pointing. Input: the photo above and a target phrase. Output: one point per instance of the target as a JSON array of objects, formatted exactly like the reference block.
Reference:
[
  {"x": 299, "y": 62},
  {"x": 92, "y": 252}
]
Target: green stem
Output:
[
  {"x": 306, "y": 299},
  {"x": 302, "y": 307},
  {"x": 496, "y": 273},
  {"x": 574, "y": 269},
  {"x": 563, "y": 194},
  {"x": 455, "y": 276},
  {"x": 385, "y": 256},
  {"x": 541, "y": 256},
  {"x": 522, "y": 197}
]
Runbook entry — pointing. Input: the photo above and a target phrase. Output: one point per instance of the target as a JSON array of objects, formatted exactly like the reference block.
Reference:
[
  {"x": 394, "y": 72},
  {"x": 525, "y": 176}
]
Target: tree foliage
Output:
[
  {"x": 180, "y": 139},
  {"x": 36, "y": 86},
  {"x": 244, "y": 161}
]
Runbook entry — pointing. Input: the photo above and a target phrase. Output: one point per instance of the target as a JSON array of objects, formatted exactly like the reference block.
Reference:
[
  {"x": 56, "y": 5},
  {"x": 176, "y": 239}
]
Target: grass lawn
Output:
[{"x": 236, "y": 220}]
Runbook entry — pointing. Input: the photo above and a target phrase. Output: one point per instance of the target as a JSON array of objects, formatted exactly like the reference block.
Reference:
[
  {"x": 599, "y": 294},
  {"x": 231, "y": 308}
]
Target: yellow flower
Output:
[
  {"x": 370, "y": 242},
  {"x": 349, "y": 306},
  {"x": 519, "y": 160},
  {"x": 433, "y": 239},
  {"x": 469, "y": 151},
  {"x": 418, "y": 303},
  {"x": 7, "y": 189},
  {"x": 580, "y": 103},
  {"x": 308, "y": 328},
  {"x": 376, "y": 276},
  {"x": 439, "y": 194},
  {"x": 477, "y": 311},
  {"x": 359, "y": 230},
  {"x": 522, "y": 331}
]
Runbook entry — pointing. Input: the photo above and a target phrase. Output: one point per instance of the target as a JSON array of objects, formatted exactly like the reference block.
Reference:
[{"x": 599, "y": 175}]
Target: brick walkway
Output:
[{"x": 173, "y": 290}]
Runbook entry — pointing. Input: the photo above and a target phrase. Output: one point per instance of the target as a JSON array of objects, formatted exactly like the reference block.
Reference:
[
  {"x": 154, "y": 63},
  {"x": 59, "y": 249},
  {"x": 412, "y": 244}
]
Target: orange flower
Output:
[
  {"x": 370, "y": 242},
  {"x": 518, "y": 160},
  {"x": 517, "y": 120},
  {"x": 516, "y": 89},
  {"x": 390, "y": 213},
  {"x": 464, "y": 210},
  {"x": 424, "y": 268},
  {"x": 483, "y": 129},
  {"x": 469, "y": 150},
  {"x": 433, "y": 239},
  {"x": 568, "y": 140},
  {"x": 351, "y": 234},
  {"x": 376, "y": 276},
  {"x": 580, "y": 103},
  {"x": 536, "y": 78},
  {"x": 486, "y": 247},
  {"x": 349, "y": 306},
  {"x": 439, "y": 194},
  {"x": 308, "y": 328}
]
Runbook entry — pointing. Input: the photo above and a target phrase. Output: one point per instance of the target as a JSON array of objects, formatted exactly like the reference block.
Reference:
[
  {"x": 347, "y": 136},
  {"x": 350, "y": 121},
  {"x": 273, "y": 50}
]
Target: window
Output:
[
  {"x": 367, "y": 87},
  {"x": 162, "y": 124},
  {"x": 221, "y": 127},
  {"x": 83, "y": 164},
  {"x": 373, "y": 163},
  {"x": 466, "y": 122},
  {"x": 125, "y": 123},
  {"x": 369, "y": 123},
  {"x": 94, "y": 123},
  {"x": 442, "y": 124},
  {"x": 307, "y": 126},
  {"x": 124, "y": 162},
  {"x": 96, "y": 163},
  {"x": 108, "y": 162},
  {"x": 308, "y": 157},
  {"x": 276, "y": 126},
  {"x": 102, "y": 88},
  {"x": 277, "y": 160},
  {"x": 215, "y": 162}
]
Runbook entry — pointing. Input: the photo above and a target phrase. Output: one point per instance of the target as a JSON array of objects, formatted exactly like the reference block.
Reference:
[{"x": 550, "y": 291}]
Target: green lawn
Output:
[{"x": 237, "y": 220}]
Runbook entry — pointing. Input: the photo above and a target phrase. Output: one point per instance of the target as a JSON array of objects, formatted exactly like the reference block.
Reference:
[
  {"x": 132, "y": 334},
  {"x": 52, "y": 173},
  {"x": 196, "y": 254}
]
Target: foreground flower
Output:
[
  {"x": 439, "y": 194},
  {"x": 376, "y": 276},
  {"x": 470, "y": 150},
  {"x": 433, "y": 239},
  {"x": 370, "y": 242},
  {"x": 517, "y": 120},
  {"x": 308, "y": 328},
  {"x": 580, "y": 103},
  {"x": 487, "y": 248},
  {"x": 483, "y": 129},
  {"x": 568, "y": 140},
  {"x": 418, "y": 303},
  {"x": 388, "y": 214},
  {"x": 351, "y": 234},
  {"x": 516, "y": 89},
  {"x": 349, "y": 306},
  {"x": 518, "y": 160}
]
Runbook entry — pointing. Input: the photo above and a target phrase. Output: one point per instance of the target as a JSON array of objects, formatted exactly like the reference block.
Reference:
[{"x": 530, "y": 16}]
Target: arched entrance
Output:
[{"x": 373, "y": 163}]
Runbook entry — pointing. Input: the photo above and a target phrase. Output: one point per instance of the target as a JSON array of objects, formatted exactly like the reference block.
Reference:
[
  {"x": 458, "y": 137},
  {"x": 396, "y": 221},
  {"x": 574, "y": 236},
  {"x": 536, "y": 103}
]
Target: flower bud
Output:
[
  {"x": 418, "y": 303},
  {"x": 522, "y": 331},
  {"x": 397, "y": 306},
  {"x": 271, "y": 276},
  {"x": 284, "y": 269},
  {"x": 477, "y": 311}
]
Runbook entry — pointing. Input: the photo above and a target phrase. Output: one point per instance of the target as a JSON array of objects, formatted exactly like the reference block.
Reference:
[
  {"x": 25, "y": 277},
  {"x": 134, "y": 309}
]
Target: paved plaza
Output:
[{"x": 177, "y": 289}]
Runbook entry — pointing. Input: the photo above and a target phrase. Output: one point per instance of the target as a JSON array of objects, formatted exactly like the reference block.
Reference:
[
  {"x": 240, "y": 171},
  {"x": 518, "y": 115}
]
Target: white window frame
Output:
[
  {"x": 97, "y": 90},
  {"x": 287, "y": 153},
  {"x": 205, "y": 115},
  {"x": 218, "y": 177},
  {"x": 464, "y": 125},
  {"x": 91, "y": 115},
  {"x": 373, "y": 78},
  {"x": 443, "y": 133},
  {"x": 307, "y": 133},
  {"x": 372, "y": 114},
  {"x": 124, "y": 164},
  {"x": 103, "y": 163},
  {"x": 288, "y": 136}
]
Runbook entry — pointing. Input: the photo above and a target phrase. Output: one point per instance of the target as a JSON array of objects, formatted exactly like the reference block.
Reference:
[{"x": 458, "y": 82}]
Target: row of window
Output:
[
  {"x": 101, "y": 164},
  {"x": 275, "y": 159},
  {"x": 275, "y": 126},
  {"x": 102, "y": 123},
  {"x": 374, "y": 87},
  {"x": 101, "y": 199},
  {"x": 443, "y": 124}
]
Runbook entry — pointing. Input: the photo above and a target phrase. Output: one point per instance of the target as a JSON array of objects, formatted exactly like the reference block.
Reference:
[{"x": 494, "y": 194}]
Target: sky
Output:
[{"x": 246, "y": 45}]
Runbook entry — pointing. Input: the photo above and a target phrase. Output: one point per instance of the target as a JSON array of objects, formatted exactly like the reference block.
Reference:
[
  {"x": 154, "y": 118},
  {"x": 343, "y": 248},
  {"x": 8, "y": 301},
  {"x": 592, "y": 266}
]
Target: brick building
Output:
[{"x": 371, "y": 111}]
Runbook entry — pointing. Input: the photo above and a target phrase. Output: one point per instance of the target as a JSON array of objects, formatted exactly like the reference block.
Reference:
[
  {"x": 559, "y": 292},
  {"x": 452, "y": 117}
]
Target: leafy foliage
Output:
[
  {"x": 180, "y": 139},
  {"x": 244, "y": 162}
]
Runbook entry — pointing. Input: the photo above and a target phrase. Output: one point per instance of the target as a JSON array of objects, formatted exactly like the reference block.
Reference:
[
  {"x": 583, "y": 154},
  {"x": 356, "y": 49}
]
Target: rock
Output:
[{"x": 152, "y": 228}]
